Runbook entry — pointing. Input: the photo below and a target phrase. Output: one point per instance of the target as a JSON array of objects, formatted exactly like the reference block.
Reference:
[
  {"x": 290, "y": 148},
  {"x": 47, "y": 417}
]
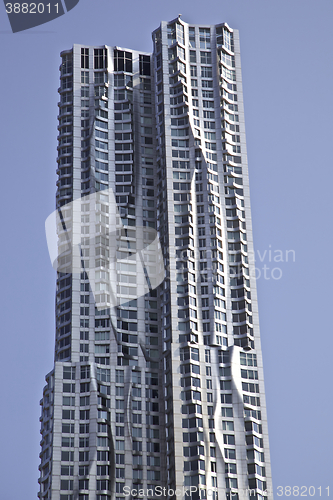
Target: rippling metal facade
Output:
[{"x": 158, "y": 376}]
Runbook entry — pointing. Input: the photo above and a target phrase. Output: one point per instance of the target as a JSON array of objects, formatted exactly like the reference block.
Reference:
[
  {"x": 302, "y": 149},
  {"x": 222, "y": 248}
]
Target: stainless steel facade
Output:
[{"x": 155, "y": 387}]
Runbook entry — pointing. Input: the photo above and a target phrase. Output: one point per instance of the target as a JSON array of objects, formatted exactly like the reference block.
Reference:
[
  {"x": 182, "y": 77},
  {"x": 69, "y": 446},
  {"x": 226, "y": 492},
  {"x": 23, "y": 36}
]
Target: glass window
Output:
[
  {"x": 84, "y": 76},
  {"x": 100, "y": 58},
  {"x": 85, "y": 58},
  {"x": 171, "y": 34},
  {"x": 204, "y": 34},
  {"x": 69, "y": 372},
  {"x": 123, "y": 61},
  {"x": 192, "y": 36},
  {"x": 180, "y": 33},
  {"x": 205, "y": 57},
  {"x": 144, "y": 62},
  {"x": 228, "y": 39}
]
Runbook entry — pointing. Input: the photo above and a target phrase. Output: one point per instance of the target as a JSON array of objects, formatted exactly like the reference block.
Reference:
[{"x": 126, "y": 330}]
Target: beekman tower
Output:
[{"x": 157, "y": 383}]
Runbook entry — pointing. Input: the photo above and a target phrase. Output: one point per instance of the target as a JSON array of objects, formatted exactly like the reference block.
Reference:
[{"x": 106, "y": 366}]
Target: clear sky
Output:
[{"x": 286, "y": 49}]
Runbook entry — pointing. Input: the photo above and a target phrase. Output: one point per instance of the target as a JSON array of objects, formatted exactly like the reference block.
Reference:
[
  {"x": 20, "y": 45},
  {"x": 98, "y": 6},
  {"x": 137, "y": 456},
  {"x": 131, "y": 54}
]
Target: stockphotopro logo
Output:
[
  {"x": 26, "y": 15},
  {"x": 123, "y": 260}
]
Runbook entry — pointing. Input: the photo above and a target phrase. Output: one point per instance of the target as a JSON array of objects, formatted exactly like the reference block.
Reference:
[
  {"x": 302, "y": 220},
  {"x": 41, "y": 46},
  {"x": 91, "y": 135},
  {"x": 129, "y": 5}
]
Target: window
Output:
[
  {"x": 227, "y": 412},
  {"x": 180, "y": 33},
  {"x": 84, "y": 58},
  {"x": 67, "y": 442},
  {"x": 85, "y": 77},
  {"x": 137, "y": 446},
  {"x": 68, "y": 388},
  {"x": 100, "y": 58},
  {"x": 193, "y": 71},
  {"x": 68, "y": 401},
  {"x": 226, "y": 398},
  {"x": 144, "y": 62},
  {"x": 224, "y": 37},
  {"x": 229, "y": 439},
  {"x": 136, "y": 392},
  {"x": 68, "y": 414},
  {"x": 68, "y": 428},
  {"x": 250, "y": 374},
  {"x": 69, "y": 372},
  {"x": 205, "y": 57},
  {"x": 84, "y": 414},
  {"x": 192, "y": 36},
  {"x": 84, "y": 400},
  {"x": 250, "y": 387},
  {"x": 136, "y": 377},
  {"x": 66, "y": 485},
  {"x": 206, "y": 72},
  {"x": 120, "y": 418},
  {"x": 227, "y": 425},
  {"x": 231, "y": 453},
  {"x": 171, "y": 34},
  {"x": 189, "y": 352},
  {"x": 136, "y": 405},
  {"x": 67, "y": 456},
  {"x": 204, "y": 34},
  {"x": 123, "y": 61},
  {"x": 248, "y": 359},
  {"x": 137, "y": 418},
  {"x": 103, "y": 374},
  {"x": 119, "y": 376},
  {"x": 193, "y": 58},
  {"x": 230, "y": 74}
]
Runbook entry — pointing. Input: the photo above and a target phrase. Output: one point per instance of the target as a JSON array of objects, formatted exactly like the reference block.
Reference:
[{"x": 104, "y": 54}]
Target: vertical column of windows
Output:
[
  {"x": 252, "y": 416},
  {"x": 85, "y": 132},
  {"x": 100, "y": 181},
  {"x": 136, "y": 431},
  {"x": 67, "y": 430},
  {"x": 65, "y": 140},
  {"x": 185, "y": 268},
  {"x": 123, "y": 95},
  {"x": 120, "y": 427},
  {"x": 63, "y": 196},
  {"x": 153, "y": 346},
  {"x": 193, "y": 438},
  {"x": 125, "y": 189},
  {"x": 103, "y": 421},
  {"x": 236, "y": 224},
  {"x": 238, "y": 265},
  {"x": 101, "y": 144},
  {"x": 209, "y": 237},
  {"x": 154, "y": 447},
  {"x": 86, "y": 185},
  {"x": 47, "y": 437}
]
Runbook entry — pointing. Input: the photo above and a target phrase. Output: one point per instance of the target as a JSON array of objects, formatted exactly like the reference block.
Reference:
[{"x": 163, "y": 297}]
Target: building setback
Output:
[{"x": 158, "y": 375}]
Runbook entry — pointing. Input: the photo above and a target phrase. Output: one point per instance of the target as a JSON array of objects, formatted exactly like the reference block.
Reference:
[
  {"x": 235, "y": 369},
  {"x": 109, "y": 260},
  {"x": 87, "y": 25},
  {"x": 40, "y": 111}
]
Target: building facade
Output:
[{"x": 158, "y": 376}]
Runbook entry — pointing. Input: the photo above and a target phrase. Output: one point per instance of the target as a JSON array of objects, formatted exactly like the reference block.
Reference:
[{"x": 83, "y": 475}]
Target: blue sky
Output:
[{"x": 286, "y": 49}]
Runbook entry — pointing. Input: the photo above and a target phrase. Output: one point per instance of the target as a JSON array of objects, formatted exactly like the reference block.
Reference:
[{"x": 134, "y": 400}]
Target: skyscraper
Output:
[{"x": 158, "y": 377}]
